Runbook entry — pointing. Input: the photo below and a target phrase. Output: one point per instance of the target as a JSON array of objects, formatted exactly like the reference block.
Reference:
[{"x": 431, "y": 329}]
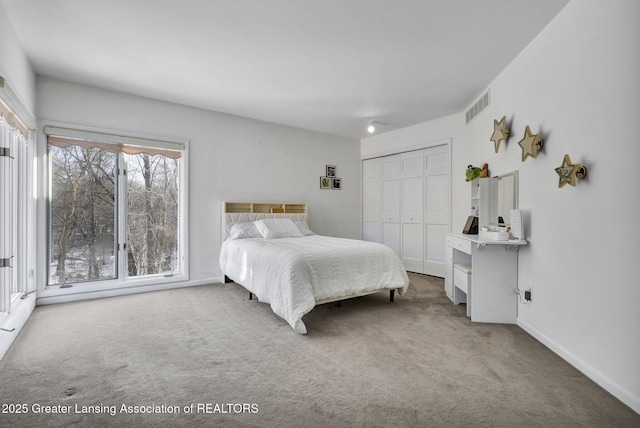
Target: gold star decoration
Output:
[
  {"x": 500, "y": 132},
  {"x": 530, "y": 144},
  {"x": 568, "y": 172}
]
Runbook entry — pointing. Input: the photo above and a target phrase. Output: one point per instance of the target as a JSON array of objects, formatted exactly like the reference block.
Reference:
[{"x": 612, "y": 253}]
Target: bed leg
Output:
[
  {"x": 250, "y": 296},
  {"x": 392, "y": 294}
]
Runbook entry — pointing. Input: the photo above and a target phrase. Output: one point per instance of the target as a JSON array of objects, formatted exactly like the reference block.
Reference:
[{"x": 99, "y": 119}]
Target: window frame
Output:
[
  {"x": 16, "y": 307},
  {"x": 16, "y": 179},
  {"x": 123, "y": 281}
]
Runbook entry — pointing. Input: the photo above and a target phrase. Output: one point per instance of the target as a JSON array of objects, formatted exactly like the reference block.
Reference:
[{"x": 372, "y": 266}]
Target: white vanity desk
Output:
[{"x": 490, "y": 293}]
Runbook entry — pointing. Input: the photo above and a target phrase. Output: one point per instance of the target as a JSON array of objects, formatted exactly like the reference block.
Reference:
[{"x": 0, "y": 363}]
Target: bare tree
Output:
[
  {"x": 66, "y": 180},
  {"x": 82, "y": 208},
  {"x": 152, "y": 219},
  {"x": 83, "y": 212}
]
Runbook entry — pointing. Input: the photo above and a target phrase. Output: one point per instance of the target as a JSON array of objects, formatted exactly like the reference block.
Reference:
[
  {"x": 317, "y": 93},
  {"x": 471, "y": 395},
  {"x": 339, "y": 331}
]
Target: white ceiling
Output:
[{"x": 323, "y": 65}]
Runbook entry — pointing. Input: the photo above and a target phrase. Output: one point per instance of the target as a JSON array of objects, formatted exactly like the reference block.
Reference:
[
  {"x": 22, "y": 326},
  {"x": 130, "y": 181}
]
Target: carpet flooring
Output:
[{"x": 208, "y": 356}]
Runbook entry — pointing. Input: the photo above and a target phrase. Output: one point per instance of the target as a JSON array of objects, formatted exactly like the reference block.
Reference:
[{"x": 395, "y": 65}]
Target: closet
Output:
[{"x": 405, "y": 205}]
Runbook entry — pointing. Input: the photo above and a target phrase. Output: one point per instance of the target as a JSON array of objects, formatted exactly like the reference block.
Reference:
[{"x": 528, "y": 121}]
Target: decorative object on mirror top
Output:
[
  {"x": 474, "y": 172},
  {"x": 500, "y": 132},
  {"x": 568, "y": 172},
  {"x": 530, "y": 144}
]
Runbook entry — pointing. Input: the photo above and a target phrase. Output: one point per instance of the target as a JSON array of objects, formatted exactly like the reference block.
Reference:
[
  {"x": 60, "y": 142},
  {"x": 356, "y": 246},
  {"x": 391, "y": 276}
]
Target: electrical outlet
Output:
[{"x": 525, "y": 296}]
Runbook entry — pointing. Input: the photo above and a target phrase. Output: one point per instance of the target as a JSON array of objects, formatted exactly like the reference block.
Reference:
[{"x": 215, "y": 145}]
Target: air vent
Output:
[{"x": 476, "y": 108}]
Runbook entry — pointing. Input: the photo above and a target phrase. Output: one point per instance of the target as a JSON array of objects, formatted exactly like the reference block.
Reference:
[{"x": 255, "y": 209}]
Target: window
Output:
[
  {"x": 152, "y": 220},
  {"x": 116, "y": 209},
  {"x": 82, "y": 219}
]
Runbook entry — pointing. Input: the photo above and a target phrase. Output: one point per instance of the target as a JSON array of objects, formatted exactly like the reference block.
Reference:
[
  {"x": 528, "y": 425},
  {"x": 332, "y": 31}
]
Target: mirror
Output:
[{"x": 505, "y": 195}]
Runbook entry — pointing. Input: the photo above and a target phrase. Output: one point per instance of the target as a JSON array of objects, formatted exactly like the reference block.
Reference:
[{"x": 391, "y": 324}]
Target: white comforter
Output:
[{"x": 291, "y": 274}]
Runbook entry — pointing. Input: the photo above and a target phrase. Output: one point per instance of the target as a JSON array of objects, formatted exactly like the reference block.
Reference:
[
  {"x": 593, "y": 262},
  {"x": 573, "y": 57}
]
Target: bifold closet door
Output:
[
  {"x": 371, "y": 192},
  {"x": 391, "y": 202},
  {"x": 406, "y": 206},
  {"x": 436, "y": 208},
  {"x": 412, "y": 211}
]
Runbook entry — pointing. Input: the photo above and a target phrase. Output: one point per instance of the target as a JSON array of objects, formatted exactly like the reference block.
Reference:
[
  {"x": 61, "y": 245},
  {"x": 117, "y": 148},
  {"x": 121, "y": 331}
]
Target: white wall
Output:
[
  {"x": 14, "y": 65},
  {"x": 578, "y": 84},
  {"x": 230, "y": 158}
]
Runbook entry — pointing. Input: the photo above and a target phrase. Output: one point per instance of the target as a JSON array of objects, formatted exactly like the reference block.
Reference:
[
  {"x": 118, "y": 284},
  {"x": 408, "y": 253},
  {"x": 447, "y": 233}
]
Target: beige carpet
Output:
[{"x": 215, "y": 358}]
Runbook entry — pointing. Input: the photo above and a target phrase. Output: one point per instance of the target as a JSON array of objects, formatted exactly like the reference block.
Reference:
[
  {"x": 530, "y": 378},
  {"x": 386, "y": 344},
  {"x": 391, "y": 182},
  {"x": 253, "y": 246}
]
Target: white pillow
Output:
[
  {"x": 271, "y": 228},
  {"x": 304, "y": 228},
  {"x": 243, "y": 230}
]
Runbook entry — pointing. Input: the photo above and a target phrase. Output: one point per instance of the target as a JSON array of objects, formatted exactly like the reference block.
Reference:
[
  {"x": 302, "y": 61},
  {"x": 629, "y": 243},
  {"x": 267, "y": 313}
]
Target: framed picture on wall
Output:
[
  {"x": 336, "y": 183},
  {"x": 331, "y": 170},
  {"x": 325, "y": 183}
]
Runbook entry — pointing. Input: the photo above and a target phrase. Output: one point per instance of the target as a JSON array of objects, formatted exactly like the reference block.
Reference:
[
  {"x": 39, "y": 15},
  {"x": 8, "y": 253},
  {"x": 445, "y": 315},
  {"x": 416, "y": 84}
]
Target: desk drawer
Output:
[{"x": 459, "y": 244}]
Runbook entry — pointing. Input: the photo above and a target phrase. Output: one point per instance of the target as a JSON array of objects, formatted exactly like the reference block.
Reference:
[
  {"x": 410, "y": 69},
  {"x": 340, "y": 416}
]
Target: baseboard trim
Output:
[
  {"x": 14, "y": 322},
  {"x": 621, "y": 393},
  {"x": 53, "y": 299}
]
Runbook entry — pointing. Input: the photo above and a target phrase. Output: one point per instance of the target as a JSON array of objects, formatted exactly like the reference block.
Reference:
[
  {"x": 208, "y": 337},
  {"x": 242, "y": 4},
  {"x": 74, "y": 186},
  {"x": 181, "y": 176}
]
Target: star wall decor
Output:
[
  {"x": 568, "y": 172},
  {"x": 500, "y": 132},
  {"x": 530, "y": 144}
]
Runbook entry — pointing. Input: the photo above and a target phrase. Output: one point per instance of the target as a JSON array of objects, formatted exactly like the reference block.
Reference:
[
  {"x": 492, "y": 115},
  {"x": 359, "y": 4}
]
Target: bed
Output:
[{"x": 278, "y": 259}]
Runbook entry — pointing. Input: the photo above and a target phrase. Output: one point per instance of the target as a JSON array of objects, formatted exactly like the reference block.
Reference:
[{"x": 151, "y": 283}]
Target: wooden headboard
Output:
[{"x": 235, "y": 212}]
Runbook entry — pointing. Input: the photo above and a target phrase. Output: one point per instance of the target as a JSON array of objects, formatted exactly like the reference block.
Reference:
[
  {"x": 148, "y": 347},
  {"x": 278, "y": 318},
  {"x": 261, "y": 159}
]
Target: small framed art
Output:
[
  {"x": 331, "y": 170},
  {"x": 336, "y": 183},
  {"x": 325, "y": 182}
]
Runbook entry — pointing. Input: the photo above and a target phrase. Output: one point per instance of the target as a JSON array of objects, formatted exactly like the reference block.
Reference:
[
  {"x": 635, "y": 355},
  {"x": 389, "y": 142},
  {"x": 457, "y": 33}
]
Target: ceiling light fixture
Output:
[{"x": 372, "y": 127}]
